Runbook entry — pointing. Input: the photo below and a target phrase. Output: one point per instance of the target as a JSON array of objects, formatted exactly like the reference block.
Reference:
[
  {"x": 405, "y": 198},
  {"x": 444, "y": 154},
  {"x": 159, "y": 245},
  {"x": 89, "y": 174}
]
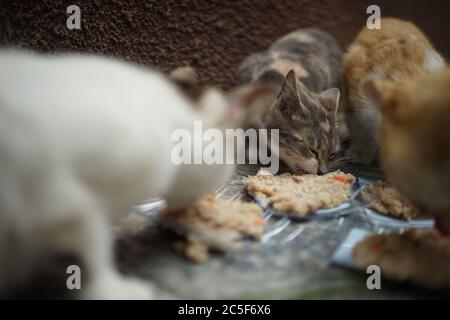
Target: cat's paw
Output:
[
  {"x": 119, "y": 288},
  {"x": 360, "y": 155}
]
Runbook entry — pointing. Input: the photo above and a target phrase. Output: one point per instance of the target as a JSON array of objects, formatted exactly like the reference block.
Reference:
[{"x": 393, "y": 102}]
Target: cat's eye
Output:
[
  {"x": 332, "y": 156},
  {"x": 314, "y": 152}
]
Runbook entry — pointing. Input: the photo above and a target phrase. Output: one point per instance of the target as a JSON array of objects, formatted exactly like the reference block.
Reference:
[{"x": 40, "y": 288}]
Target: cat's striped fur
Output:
[{"x": 303, "y": 67}]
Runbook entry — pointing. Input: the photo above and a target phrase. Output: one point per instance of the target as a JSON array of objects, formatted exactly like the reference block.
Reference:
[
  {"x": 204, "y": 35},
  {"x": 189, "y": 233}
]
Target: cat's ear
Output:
[
  {"x": 250, "y": 97},
  {"x": 288, "y": 101},
  {"x": 230, "y": 110},
  {"x": 330, "y": 98},
  {"x": 186, "y": 75},
  {"x": 186, "y": 79}
]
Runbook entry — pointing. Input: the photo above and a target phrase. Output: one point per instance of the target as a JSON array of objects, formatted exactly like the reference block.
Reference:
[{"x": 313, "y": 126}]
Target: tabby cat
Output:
[{"x": 303, "y": 68}]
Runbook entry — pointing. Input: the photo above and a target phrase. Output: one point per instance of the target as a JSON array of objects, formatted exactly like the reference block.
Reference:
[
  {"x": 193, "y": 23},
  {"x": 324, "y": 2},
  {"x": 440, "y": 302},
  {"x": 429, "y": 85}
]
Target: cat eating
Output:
[
  {"x": 397, "y": 52},
  {"x": 414, "y": 138},
  {"x": 82, "y": 139},
  {"x": 303, "y": 68}
]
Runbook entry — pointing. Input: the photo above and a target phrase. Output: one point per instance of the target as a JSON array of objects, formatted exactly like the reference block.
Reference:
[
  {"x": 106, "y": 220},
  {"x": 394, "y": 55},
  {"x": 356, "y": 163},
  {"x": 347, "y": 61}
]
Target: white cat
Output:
[{"x": 82, "y": 138}]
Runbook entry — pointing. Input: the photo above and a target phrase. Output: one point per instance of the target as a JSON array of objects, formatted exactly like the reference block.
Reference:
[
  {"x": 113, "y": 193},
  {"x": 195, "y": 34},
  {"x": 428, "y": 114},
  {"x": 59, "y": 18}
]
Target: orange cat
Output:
[
  {"x": 415, "y": 138},
  {"x": 398, "y": 51}
]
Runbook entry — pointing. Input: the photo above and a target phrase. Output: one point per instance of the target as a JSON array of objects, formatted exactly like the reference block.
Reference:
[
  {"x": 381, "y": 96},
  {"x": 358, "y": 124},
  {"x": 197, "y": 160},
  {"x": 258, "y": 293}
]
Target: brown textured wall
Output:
[{"x": 211, "y": 35}]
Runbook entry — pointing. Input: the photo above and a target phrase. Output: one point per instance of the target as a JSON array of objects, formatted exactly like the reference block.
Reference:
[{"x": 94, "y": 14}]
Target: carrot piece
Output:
[
  {"x": 341, "y": 179},
  {"x": 258, "y": 221}
]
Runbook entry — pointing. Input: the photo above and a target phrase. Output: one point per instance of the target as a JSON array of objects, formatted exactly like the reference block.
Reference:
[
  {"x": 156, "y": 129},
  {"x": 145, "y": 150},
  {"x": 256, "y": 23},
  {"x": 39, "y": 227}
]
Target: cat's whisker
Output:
[
  {"x": 341, "y": 159},
  {"x": 339, "y": 162},
  {"x": 344, "y": 138}
]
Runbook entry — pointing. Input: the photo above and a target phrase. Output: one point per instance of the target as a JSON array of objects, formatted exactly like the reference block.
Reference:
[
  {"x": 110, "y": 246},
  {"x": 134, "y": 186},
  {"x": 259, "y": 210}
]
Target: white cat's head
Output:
[
  {"x": 217, "y": 110},
  {"x": 220, "y": 109}
]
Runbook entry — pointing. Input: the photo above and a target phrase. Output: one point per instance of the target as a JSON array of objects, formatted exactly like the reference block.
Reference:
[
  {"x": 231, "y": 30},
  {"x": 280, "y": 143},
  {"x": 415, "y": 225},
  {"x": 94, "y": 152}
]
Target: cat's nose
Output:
[{"x": 322, "y": 170}]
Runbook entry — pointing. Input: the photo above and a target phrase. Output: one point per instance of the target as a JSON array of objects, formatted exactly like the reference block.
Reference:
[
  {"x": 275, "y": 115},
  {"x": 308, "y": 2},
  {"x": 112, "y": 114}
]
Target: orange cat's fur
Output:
[
  {"x": 397, "y": 52},
  {"x": 415, "y": 138}
]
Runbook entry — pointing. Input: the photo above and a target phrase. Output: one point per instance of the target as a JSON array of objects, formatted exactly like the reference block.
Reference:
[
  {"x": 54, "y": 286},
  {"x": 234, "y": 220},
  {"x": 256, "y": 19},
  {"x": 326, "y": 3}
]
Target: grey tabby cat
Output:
[{"x": 303, "y": 67}]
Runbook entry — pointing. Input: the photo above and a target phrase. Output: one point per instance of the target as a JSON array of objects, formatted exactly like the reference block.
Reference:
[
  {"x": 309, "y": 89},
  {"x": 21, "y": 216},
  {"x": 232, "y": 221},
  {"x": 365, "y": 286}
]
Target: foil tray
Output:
[
  {"x": 293, "y": 259},
  {"x": 283, "y": 228}
]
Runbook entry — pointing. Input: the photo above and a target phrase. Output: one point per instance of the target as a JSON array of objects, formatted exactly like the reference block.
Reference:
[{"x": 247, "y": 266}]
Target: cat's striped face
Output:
[{"x": 308, "y": 139}]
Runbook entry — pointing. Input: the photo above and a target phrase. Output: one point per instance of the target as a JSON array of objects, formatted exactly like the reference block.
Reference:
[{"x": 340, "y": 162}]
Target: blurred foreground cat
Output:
[
  {"x": 397, "y": 52},
  {"x": 303, "y": 67},
  {"x": 83, "y": 138},
  {"x": 415, "y": 139}
]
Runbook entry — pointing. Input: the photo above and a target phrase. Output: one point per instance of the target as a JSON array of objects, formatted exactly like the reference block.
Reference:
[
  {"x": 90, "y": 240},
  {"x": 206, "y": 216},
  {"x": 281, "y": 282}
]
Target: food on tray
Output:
[
  {"x": 388, "y": 201},
  {"x": 422, "y": 257},
  {"x": 194, "y": 250},
  {"x": 301, "y": 195},
  {"x": 213, "y": 223}
]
